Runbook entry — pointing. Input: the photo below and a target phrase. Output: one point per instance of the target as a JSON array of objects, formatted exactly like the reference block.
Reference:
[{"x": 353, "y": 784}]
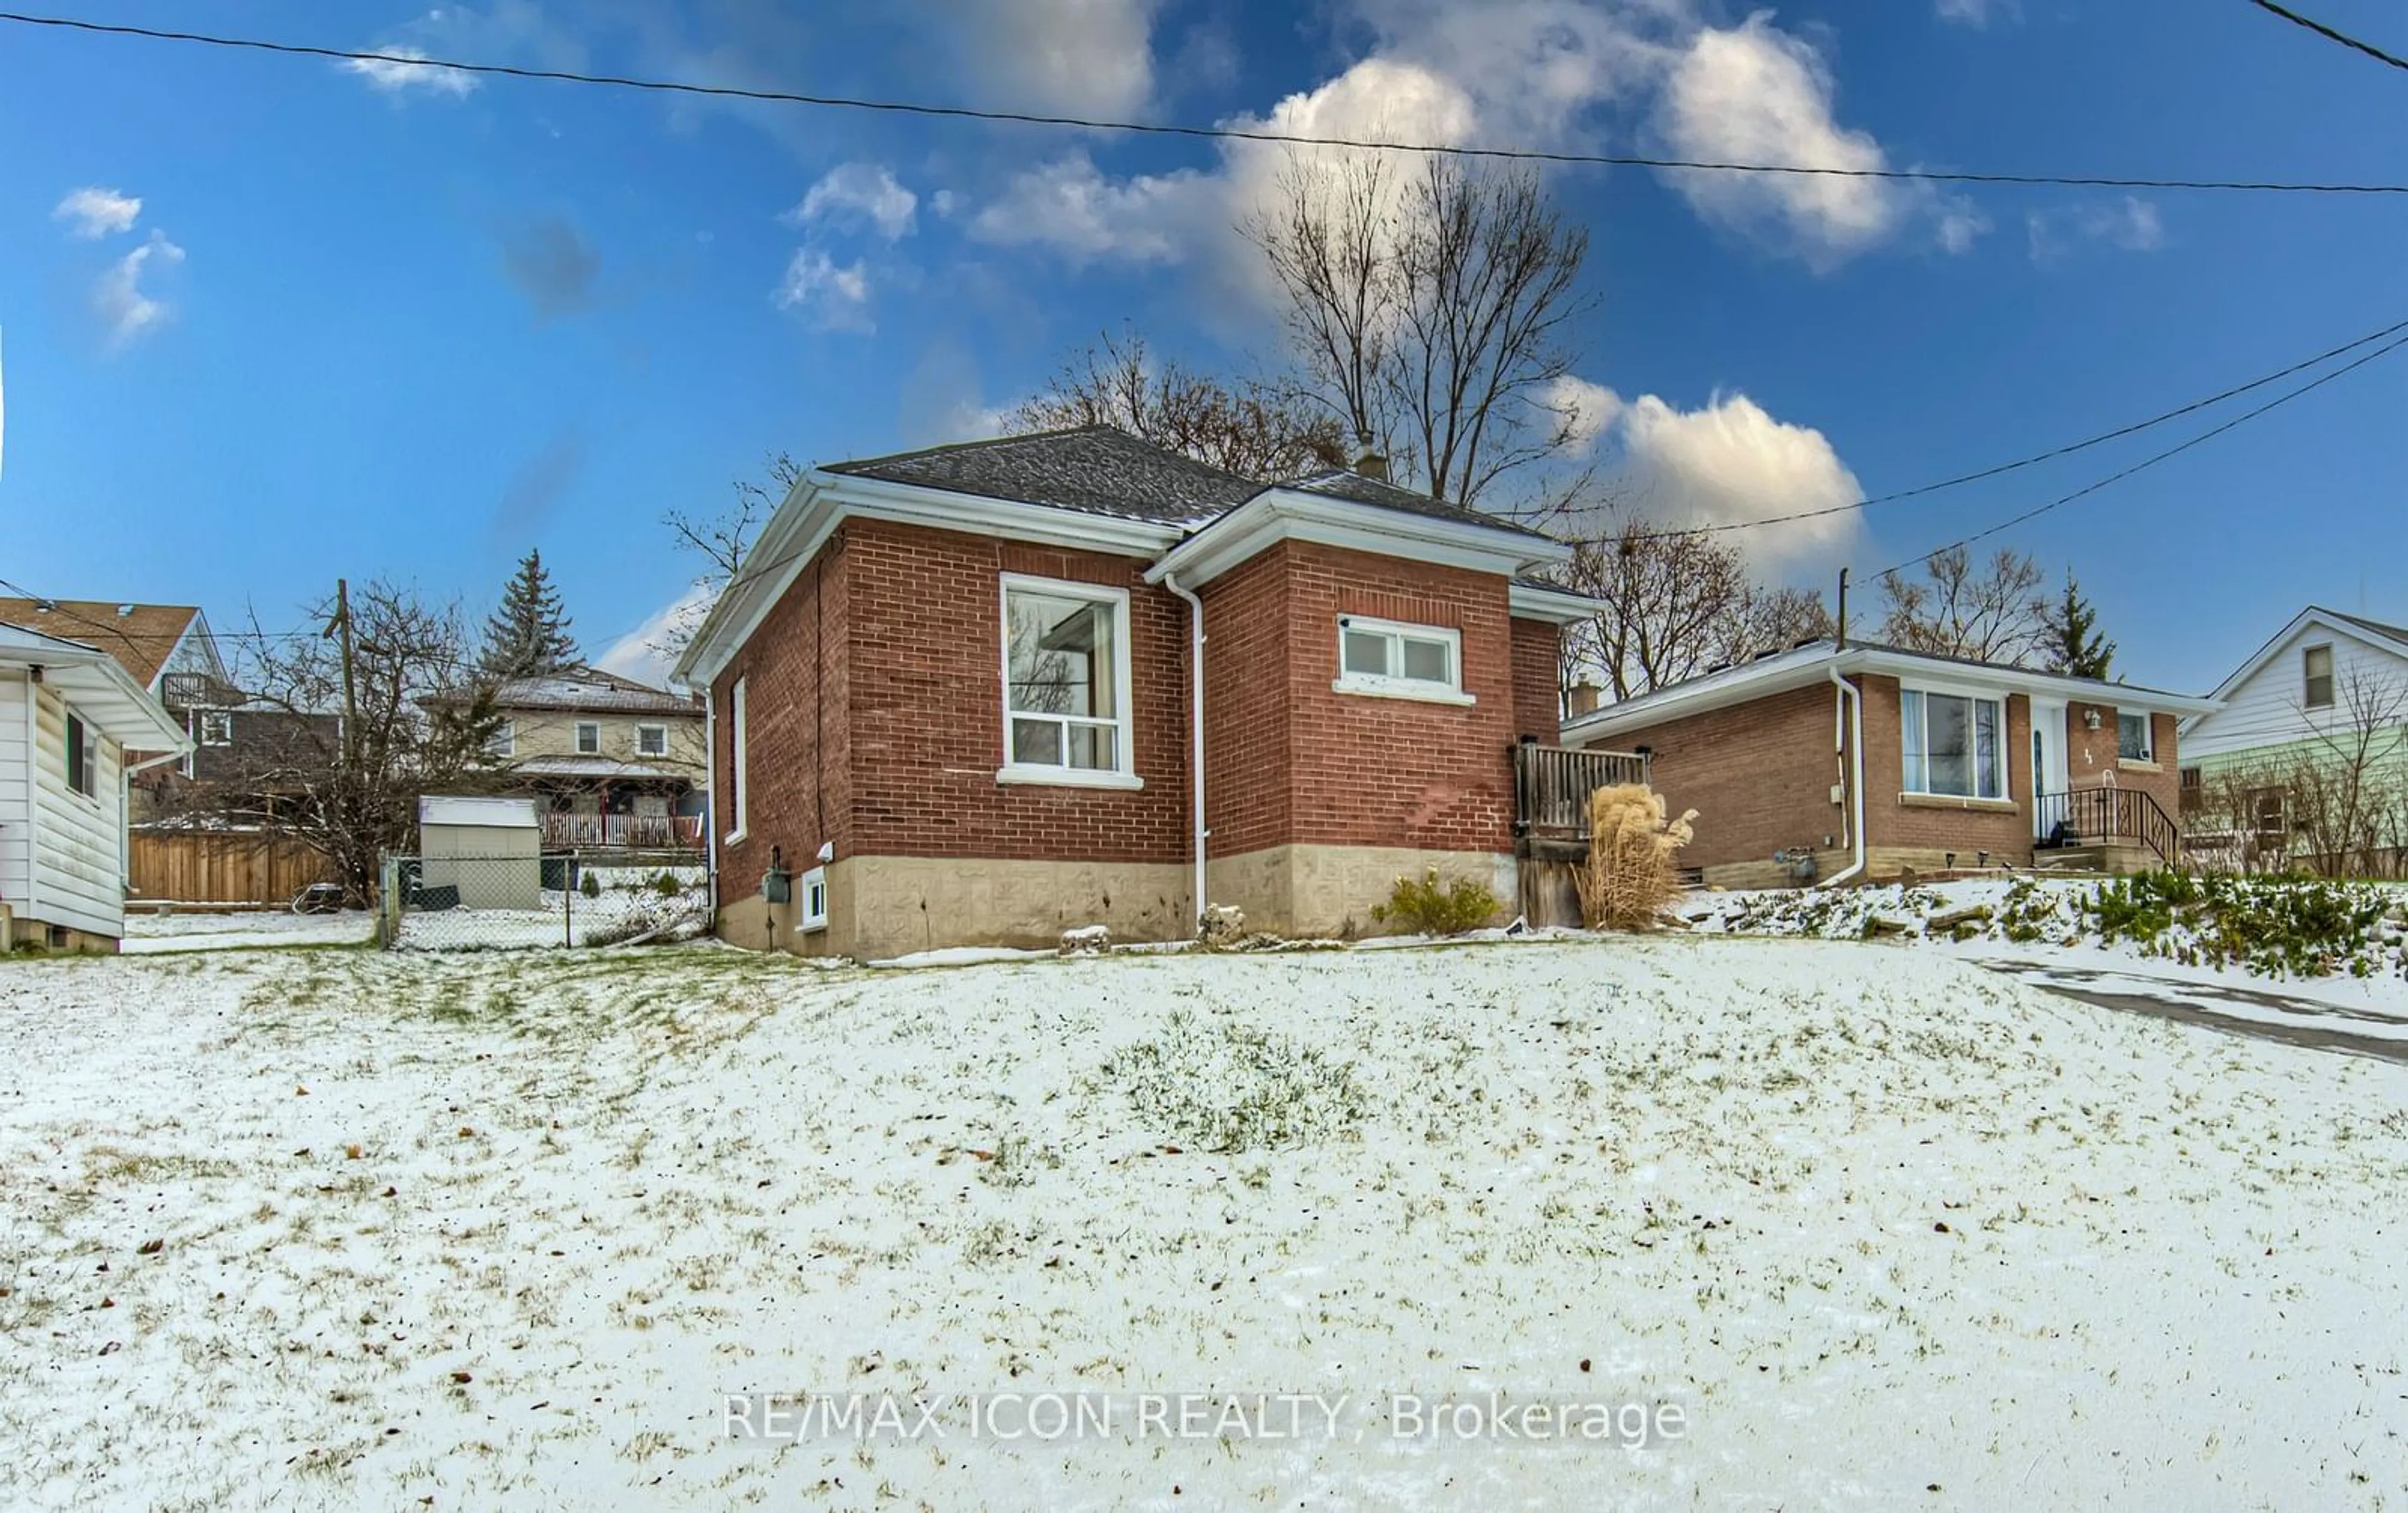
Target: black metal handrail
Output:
[{"x": 2083, "y": 816}]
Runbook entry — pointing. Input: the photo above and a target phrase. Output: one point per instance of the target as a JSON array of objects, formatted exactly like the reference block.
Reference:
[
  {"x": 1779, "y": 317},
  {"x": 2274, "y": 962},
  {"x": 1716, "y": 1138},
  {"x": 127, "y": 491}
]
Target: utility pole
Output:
[
  {"x": 341, "y": 625},
  {"x": 1840, "y": 642}
]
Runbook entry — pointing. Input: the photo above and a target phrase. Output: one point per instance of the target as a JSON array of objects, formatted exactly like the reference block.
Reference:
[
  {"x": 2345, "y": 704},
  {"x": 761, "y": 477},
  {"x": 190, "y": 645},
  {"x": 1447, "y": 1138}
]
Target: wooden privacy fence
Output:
[
  {"x": 243, "y": 868},
  {"x": 1550, "y": 789}
]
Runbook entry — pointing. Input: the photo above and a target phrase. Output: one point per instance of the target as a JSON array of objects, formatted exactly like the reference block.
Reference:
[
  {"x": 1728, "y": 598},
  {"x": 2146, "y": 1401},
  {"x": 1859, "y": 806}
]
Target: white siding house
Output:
[
  {"x": 2298, "y": 686},
  {"x": 70, "y": 716}
]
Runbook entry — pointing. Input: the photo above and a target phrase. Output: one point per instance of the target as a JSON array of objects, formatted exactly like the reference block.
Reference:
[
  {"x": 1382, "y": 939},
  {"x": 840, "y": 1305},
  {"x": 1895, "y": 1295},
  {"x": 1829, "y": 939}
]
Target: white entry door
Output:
[{"x": 2048, "y": 769}]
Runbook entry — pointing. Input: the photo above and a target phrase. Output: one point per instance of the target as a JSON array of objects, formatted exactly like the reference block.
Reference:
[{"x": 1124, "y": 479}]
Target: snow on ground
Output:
[
  {"x": 232, "y": 930},
  {"x": 2062, "y": 950},
  {"x": 363, "y": 1229}
]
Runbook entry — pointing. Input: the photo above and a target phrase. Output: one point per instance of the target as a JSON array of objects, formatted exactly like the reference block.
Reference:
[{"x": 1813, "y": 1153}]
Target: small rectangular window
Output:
[
  {"x": 813, "y": 915},
  {"x": 504, "y": 742},
  {"x": 2133, "y": 742},
  {"x": 81, "y": 758},
  {"x": 217, "y": 727},
  {"x": 2317, "y": 677},
  {"x": 1383, "y": 657},
  {"x": 651, "y": 740},
  {"x": 588, "y": 738},
  {"x": 736, "y": 761}
]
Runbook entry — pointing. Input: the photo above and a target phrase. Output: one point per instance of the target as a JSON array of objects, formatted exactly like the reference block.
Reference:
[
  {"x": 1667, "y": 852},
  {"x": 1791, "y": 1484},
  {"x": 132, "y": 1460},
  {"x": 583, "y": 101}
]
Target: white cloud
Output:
[
  {"x": 1068, "y": 206},
  {"x": 859, "y": 192},
  {"x": 1960, "y": 226},
  {"x": 119, "y": 298},
  {"x": 394, "y": 78},
  {"x": 1588, "y": 410},
  {"x": 1067, "y": 57},
  {"x": 93, "y": 212},
  {"x": 637, "y": 654},
  {"x": 1728, "y": 463},
  {"x": 1975, "y": 13},
  {"x": 1754, "y": 93},
  {"x": 2130, "y": 224},
  {"x": 832, "y": 296}
]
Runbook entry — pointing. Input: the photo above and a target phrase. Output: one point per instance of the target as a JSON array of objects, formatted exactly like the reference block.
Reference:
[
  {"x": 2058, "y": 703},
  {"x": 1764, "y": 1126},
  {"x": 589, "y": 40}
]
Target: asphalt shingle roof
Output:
[
  {"x": 591, "y": 689},
  {"x": 140, "y": 638},
  {"x": 1096, "y": 470},
  {"x": 1101, "y": 469}
]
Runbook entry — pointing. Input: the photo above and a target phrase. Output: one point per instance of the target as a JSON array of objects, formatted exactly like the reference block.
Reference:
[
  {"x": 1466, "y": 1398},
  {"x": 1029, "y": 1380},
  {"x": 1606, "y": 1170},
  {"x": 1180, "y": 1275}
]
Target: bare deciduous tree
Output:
[
  {"x": 425, "y": 719},
  {"x": 720, "y": 542},
  {"x": 1430, "y": 314},
  {"x": 2335, "y": 803},
  {"x": 1676, "y": 605},
  {"x": 1257, "y": 430},
  {"x": 1995, "y": 615}
]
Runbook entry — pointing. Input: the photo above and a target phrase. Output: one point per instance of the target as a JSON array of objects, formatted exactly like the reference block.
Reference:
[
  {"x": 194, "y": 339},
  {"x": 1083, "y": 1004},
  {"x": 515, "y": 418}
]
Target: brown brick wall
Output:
[
  {"x": 1759, "y": 774},
  {"x": 1389, "y": 772},
  {"x": 2090, "y": 756},
  {"x": 1248, "y": 735},
  {"x": 1895, "y": 823},
  {"x": 926, "y": 640},
  {"x": 797, "y": 730},
  {"x": 1537, "y": 676}
]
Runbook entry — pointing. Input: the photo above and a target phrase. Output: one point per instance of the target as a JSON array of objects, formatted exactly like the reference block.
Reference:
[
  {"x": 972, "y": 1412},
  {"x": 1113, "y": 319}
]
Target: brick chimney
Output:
[
  {"x": 1373, "y": 465},
  {"x": 1580, "y": 698}
]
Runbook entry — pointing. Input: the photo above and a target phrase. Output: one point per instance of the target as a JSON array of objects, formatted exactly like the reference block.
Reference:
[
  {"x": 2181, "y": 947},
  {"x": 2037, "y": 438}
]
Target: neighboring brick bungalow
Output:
[
  {"x": 954, "y": 692},
  {"x": 1875, "y": 760}
]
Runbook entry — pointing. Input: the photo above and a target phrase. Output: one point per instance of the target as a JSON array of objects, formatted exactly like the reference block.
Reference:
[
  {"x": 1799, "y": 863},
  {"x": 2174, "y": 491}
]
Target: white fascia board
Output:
[
  {"x": 1277, "y": 515},
  {"x": 2321, "y": 619},
  {"x": 1926, "y": 673},
  {"x": 104, "y": 692},
  {"x": 821, "y": 500},
  {"x": 1556, "y": 606}
]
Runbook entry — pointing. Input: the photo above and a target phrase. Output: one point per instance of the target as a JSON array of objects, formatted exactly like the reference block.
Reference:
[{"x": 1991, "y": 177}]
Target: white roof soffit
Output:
[
  {"x": 1556, "y": 606},
  {"x": 1807, "y": 664},
  {"x": 100, "y": 689},
  {"x": 1281, "y": 514},
  {"x": 821, "y": 500}
]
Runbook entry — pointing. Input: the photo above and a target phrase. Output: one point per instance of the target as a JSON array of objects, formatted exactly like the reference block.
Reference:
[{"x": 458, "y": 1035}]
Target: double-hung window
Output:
[
  {"x": 1066, "y": 684},
  {"x": 83, "y": 758},
  {"x": 588, "y": 738},
  {"x": 2317, "y": 677},
  {"x": 2132, "y": 742},
  {"x": 504, "y": 742},
  {"x": 1956, "y": 744},
  {"x": 1396, "y": 660},
  {"x": 651, "y": 740}
]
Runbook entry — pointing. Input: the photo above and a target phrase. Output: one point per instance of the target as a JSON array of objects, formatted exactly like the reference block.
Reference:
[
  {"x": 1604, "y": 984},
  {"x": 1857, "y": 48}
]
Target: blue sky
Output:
[{"x": 362, "y": 327}]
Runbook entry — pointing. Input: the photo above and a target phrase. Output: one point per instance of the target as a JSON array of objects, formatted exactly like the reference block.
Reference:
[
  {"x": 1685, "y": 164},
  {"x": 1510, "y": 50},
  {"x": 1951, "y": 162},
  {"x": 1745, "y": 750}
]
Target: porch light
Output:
[{"x": 2090, "y": 718}]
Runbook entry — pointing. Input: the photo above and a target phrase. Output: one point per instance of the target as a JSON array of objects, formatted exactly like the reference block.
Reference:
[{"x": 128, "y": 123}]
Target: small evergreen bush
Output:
[{"x": 1428, "y": 906}]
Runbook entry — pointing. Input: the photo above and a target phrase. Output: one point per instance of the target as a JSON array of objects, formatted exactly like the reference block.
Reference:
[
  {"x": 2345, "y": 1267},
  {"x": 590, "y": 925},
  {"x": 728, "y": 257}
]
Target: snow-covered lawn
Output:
[
  {"x": 234, "y": 930},
  {"x": 362, "y": 1230}
]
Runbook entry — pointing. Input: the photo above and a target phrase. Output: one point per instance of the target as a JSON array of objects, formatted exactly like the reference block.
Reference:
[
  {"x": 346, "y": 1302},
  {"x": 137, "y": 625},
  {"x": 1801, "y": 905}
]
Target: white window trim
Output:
[
  {"x": 2006, "y": 794},
  {"x": 202, "y": 721},
  {"x": 735, "y": 784},
  {"x": 2333, "y": 676},
  {"x": 810, "y": 884},
  {"x": 504, "y": 742},
  {"x": 661, "y": 730},
  {"x": 1124, "y": 740},
  {"x": 90, "y": 752},
  {"x": 577, "y": 737},
  {"x": 1418, "y": 690},
  {"x": 2148, "y": 752}
]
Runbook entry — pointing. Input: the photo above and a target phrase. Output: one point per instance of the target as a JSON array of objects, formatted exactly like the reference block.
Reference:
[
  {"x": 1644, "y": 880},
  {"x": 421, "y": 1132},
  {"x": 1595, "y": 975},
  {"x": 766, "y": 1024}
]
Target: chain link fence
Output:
[{"x": 557, "y": 902}]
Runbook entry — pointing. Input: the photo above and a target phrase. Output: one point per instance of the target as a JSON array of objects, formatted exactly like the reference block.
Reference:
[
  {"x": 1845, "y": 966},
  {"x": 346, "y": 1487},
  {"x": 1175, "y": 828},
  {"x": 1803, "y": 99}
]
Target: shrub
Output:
[
  {"x": 1629, "y": 878},
  {"x": 1431, "y": 907},
  {"x": 664, "y": 883},
  {"x": 592, "y": 886}
]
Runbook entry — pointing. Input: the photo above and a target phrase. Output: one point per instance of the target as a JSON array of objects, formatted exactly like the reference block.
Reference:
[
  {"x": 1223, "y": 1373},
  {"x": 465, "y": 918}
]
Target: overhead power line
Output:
[
  {"x": 1146, "y": 128},
  {"x": 2052, "y": 455},
  {"x": 2322, "y": 30},
  {"x": 2088, "y": 489}
]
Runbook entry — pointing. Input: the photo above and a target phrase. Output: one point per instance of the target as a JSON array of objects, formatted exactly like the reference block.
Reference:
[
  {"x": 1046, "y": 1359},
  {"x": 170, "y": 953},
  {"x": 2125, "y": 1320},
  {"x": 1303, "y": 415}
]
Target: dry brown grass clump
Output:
[{"x": 1629, "y": 878}]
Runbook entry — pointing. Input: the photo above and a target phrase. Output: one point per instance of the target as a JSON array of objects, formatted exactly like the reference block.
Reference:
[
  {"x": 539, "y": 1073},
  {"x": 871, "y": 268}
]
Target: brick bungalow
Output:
[
  {"x": 1873, "y": 759},
  {"x": 976, "y": 694}
]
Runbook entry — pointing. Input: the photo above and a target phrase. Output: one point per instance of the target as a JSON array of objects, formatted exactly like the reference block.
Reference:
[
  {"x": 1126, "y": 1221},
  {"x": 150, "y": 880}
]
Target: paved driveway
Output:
[{"x": 2324, "y": 1026}]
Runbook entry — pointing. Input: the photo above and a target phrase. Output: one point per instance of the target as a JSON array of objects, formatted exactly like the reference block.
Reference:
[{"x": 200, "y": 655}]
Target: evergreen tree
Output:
[
  {"x": 528, "y": 636},
  {"x": 2075, "y": 646}
]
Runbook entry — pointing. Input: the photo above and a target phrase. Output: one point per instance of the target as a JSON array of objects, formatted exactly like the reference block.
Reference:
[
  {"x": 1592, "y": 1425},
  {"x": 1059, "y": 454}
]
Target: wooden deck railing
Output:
[
  {"x": 1551, "y": 785},
  {"x": 634, "y": 832}
]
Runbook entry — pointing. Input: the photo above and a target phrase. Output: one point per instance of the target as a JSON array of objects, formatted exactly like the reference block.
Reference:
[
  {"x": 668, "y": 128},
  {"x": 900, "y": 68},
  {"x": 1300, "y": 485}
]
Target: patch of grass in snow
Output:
[{"x": 1224, "y": 1086}]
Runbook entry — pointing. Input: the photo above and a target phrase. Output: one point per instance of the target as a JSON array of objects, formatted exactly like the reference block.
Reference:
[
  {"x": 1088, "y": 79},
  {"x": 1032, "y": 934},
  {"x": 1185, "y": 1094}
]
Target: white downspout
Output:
[
  {"x": 711, "y": 803},
  {"x": 33, "y": 792},
  {"x": 1196, "y": 729},
  {"x": 1852, "y": 809}
]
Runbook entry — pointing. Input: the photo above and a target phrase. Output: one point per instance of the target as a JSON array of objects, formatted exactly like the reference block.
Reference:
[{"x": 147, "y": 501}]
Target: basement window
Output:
[
  {"x": 1952, "y": 745},
  {"x": 1066, "y": 684},
  {"x": 1387, "y": 659},
  {"x": 812, "y": 886}
]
